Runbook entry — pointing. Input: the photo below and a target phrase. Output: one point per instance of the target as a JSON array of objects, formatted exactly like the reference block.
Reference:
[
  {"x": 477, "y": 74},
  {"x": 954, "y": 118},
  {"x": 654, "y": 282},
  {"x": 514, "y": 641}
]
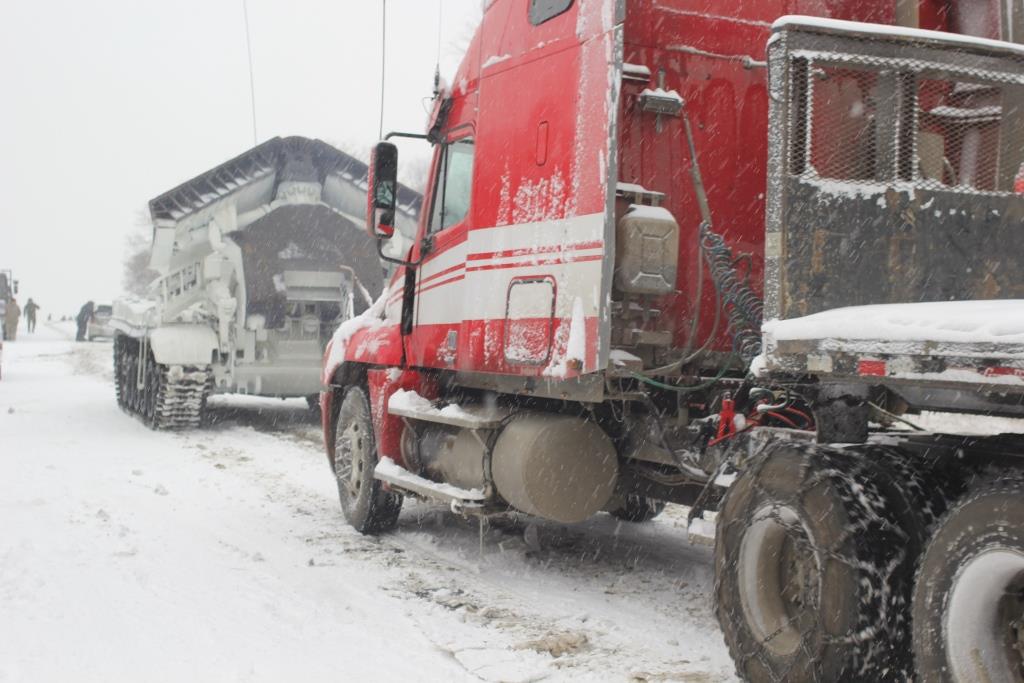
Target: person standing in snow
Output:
[
  {"x": 30, "y": 314},
  {"x": 11, "y": 317},
  {"x": 83, "y": 318}
]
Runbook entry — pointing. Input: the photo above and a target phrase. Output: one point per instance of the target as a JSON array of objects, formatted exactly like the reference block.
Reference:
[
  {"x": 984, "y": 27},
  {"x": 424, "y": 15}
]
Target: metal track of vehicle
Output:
[
  {"x": 168, "y": 397},
  {"x": 180, "y": 400}
]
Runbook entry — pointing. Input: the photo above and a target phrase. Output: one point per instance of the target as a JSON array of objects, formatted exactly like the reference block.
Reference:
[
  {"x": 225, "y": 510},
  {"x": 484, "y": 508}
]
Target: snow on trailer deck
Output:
[
  {"x": 999, "y": 321},
  {"x": 953, "y": 342},
  {"x": 222, "y": 554}
]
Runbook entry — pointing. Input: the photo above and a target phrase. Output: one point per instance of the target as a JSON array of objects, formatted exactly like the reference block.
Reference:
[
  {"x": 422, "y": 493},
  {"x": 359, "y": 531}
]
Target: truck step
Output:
[
  {"x": 411, "y": 405},
  {"x": 400, "y": 478}
]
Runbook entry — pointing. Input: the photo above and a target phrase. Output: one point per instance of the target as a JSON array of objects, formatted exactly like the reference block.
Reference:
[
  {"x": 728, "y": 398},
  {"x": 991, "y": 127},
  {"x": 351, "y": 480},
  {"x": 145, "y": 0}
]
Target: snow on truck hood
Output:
[{"x": 372, "y": 317}]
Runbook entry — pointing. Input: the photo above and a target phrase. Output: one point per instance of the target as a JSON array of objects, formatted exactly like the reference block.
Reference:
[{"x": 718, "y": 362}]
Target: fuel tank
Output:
[{"x": 558, "y": 467}]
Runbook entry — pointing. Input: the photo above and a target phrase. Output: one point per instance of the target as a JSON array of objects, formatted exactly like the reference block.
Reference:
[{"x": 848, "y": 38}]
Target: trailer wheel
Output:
[
  {"x": 367, "y": 506},
  {"x": 968, "y": 606},
  {"x": 813, "y": 568},
  {"x": 636, "y": 508}
]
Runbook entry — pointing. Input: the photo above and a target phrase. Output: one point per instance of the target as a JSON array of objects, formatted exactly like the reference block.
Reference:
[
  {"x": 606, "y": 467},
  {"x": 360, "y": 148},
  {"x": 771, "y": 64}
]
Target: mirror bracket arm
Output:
[
  {"x": 396, "y": 261},
  {"x": 414, "y": 136}
]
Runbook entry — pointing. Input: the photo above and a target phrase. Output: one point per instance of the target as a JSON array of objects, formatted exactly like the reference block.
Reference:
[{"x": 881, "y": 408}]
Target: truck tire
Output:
[
  {"x": 814, "y": 559},
  {"x": 367, "y": 506},
  {"x": 636, "y": 508},
  {"x": 968, "y": 604}
]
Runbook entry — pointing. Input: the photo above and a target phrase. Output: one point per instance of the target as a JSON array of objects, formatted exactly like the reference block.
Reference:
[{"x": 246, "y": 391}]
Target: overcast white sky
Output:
[{"x": 106, "y": 104}]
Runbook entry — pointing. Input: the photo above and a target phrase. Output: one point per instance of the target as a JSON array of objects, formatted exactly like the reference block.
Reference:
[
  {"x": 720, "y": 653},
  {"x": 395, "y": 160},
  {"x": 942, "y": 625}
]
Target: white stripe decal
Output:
[{"x": 569, "y": 250}]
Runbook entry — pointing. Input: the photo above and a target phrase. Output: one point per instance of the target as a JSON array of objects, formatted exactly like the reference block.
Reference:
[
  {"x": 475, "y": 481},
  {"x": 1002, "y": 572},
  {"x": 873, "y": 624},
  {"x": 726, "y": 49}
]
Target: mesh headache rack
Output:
[{"x": 894, "y": 154}]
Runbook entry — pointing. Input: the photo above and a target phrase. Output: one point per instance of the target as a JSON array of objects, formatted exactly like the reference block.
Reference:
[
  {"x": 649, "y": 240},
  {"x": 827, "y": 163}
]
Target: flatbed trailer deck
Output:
[{"x": 957, "y": 356}]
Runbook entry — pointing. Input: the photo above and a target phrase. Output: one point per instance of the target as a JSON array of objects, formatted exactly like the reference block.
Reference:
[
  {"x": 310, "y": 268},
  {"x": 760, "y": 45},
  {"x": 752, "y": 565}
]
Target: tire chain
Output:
[{"x": 879, "y": 636}]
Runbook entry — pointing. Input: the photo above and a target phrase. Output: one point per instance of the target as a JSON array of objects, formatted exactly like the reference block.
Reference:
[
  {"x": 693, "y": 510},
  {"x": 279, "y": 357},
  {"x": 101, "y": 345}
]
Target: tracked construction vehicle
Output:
[
  {"x": 696, "y": 252},
  {"x": 259, "y": 260}
]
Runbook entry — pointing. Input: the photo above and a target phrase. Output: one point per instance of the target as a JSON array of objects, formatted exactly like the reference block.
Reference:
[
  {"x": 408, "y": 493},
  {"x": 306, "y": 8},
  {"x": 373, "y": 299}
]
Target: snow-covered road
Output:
[{"x": 222, "y": 555}]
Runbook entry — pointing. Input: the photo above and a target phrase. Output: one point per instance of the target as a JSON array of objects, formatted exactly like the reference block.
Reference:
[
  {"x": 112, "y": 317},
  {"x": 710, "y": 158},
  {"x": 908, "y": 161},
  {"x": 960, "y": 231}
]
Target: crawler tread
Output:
[
  {"x": 172, "y": 396},
  {"x": 181, "y": 393}
]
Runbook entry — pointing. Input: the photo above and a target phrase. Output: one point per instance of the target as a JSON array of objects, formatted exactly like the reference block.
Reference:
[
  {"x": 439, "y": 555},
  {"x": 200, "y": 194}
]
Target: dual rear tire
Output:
[
  {"x": 844, "y": 565},
  {"x": 814, "y": 563},
  {"x": 968, "y": 607}
]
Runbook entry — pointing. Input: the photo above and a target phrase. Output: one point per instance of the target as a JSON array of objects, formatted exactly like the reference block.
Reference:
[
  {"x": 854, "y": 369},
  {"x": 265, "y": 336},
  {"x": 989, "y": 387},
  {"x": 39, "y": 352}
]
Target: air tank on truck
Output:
[
  {"x": 706, "y": 254},
  {"x": 258, "y": 261}
]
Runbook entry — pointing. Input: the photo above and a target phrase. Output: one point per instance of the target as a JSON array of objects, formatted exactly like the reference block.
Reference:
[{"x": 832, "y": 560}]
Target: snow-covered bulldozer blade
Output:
[{"x": 259, "y": 259}]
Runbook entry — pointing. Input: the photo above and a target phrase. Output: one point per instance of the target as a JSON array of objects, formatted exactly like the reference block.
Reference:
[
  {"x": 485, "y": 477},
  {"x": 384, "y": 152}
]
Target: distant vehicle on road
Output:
[{"x": 99, "y": 324}]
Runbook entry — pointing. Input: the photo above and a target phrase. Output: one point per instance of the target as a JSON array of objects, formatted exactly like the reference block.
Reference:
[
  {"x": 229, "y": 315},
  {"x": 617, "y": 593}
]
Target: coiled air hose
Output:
[{"x": 743, "y": 307}]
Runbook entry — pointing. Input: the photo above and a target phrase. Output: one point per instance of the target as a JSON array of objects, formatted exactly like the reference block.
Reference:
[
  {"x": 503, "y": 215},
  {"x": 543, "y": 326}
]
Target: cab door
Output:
[{"x": 440, "y": 277}]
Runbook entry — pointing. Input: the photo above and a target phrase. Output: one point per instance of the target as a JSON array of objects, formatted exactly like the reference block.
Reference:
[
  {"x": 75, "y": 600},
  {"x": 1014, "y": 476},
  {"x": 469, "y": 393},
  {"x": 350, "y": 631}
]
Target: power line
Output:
[
  {"x": 440, "y": 23},
  {"x": 252, "y": 80},
  {"x": 383, "y": 56}
]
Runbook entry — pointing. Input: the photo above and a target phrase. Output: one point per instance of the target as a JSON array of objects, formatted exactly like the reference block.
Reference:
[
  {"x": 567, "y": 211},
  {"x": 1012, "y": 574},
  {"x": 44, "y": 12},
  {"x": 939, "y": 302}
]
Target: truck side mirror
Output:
[
  {"x": 15, "y": 286},
  {"x": 381, "y": 197}
]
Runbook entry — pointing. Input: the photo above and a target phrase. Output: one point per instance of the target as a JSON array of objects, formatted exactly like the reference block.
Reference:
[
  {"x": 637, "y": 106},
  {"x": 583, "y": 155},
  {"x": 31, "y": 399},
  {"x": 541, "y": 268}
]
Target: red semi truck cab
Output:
[
  {"x": 562, "y": 231},
  {"x": 562, "y": 115},
  {"x": 619, "y": 194}
]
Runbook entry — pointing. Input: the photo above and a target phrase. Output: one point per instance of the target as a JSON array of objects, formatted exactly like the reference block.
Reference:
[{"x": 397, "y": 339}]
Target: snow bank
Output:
[{"x": 997, "y": 322}]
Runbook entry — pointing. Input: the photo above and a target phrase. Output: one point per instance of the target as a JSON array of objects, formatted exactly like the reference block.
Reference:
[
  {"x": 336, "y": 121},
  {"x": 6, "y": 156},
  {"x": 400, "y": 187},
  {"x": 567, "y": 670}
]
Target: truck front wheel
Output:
[
  {"x": 968, "y": 603},
  {"x": 367, "y": 506},
  {"x": 813, "y": 568}
]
